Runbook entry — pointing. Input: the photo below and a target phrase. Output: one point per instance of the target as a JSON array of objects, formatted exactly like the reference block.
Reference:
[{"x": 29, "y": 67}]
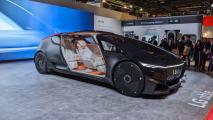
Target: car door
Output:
[
  {"x": 111, "y": 51},
  {"x": 83, "y": 55},
  {"x": 54, "y": 52}
]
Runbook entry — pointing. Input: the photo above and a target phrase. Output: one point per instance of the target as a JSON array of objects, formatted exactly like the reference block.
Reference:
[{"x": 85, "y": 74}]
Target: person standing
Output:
[
  {"x": 206, "y": 52},
  {"x": 164, "y": 44},
  {"x": 187, "y": 49},
  {"x": 198, "y": 50},
  {"x": 153, "y": 41},
  {"x": 181, "y": 46},
  {"x": 143, "y": 39},
  {"x": 210, "y": 68},
  {"x": 174, "y": 47}
]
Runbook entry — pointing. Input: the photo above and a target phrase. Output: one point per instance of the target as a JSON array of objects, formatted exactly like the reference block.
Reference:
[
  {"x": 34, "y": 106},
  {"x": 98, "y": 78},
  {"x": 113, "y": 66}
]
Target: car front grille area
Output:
[{"x": 173, "y": 73}]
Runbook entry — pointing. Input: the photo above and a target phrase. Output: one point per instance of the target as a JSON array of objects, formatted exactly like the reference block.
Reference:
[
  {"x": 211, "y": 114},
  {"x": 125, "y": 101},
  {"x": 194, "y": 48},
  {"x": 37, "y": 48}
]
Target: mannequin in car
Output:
[
  {"x": 90, "y": 59},
  {"x": 70, "y": 54}
]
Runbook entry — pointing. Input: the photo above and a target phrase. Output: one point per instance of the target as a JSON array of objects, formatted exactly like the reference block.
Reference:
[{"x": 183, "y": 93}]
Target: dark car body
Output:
[{"x": 132, "y": 67}]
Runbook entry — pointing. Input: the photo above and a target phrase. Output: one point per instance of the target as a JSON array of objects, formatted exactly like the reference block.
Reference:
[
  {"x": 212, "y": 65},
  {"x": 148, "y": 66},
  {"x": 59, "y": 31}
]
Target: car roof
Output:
[{"x": 87, "y": 33}]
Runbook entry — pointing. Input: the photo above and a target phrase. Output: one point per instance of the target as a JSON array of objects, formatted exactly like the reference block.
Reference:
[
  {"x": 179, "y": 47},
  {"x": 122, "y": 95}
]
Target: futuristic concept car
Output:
[{"x": 131, "y": 66}]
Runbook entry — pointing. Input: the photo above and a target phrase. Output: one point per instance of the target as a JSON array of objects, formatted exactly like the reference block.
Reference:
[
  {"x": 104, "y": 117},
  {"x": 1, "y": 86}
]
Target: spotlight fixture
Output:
[{"x": 212, "y": 5}]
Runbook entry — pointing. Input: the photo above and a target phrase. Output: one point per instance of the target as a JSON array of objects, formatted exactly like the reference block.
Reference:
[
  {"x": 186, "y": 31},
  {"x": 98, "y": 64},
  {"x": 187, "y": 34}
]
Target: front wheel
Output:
[
  {"x": 128, "y": 79},
  {"x": 41, "y": 63}
]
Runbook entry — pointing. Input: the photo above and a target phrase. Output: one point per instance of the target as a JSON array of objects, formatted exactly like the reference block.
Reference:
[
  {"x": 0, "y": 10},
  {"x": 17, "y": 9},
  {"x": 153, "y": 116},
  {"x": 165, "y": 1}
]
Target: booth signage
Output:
[
  {"x": 149, "y": 22},
  {"x": 174, "y": 21},
  {"x": 202, "y": 99},
  {"x": 165, "y": 20},
  {"x": 128, "y": 23}
]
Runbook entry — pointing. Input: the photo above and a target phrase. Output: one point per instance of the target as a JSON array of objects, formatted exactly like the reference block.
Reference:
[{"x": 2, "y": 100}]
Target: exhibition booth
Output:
[
  {"x": 30, "y": 95},
  {"x": 166, "y": 27},
  {"x": 35, "y": 21},
  {"x": 207, "y": 27}
]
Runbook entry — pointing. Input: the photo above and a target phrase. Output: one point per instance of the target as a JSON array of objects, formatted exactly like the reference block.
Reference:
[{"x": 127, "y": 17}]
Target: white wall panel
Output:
[
  {"x": 187, "y": 28},
  {"x": 107, "y": 24}
]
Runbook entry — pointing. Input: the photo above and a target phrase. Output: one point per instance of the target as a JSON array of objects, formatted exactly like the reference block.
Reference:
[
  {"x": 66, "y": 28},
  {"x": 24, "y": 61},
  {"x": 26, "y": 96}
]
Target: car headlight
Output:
[{"x": 157, "y": 66}]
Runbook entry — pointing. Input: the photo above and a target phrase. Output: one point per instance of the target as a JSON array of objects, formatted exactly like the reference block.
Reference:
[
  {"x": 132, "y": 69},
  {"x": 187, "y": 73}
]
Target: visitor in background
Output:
[
  {"x": 187, "y": 49},
  {"x": 206, "y": 52},
  {"x": 198, "y": 52},
  {"x": 136, "y": 37},
  {"x": 164, "y": 44},
  {"x": 154, "y": 41},
  {"x": 143, "y": 39},
  {"x": 210, "y": 68},
  {"x": 181, "y": 46},
  {"x": 174, "y": 47}
]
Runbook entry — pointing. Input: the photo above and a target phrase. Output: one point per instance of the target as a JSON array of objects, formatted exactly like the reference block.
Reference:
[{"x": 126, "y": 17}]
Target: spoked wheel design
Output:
[
  {"x": 128, "y": 79},
  {"x": 41, "y": 63}
]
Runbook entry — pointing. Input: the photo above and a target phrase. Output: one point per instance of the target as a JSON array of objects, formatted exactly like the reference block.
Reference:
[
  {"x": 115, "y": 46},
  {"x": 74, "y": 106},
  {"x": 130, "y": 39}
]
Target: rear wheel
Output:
[
  {"x": 128, "y": 79},
  {"x": 41, "y": 63}
]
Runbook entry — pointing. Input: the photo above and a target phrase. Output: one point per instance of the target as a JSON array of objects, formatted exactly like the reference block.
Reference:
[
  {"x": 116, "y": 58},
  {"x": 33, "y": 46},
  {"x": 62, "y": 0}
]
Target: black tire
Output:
[
  {"x": 41, "y": 63},
  {"x": 128, "y": 79}
]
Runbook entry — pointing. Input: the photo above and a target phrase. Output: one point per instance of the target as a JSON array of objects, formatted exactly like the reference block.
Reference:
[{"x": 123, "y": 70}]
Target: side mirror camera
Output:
[{"x": 56, "y": 40}]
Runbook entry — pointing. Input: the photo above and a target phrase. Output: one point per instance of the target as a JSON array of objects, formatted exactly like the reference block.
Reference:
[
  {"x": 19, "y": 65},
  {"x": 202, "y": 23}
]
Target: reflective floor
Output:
[{"x": 28, "y": 95}]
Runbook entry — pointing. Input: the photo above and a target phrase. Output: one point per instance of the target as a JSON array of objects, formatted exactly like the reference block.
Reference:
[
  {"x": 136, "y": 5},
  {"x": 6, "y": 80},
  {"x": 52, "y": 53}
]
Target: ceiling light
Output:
[
  {"x": 125, "y": 7},
  {"x": 130, "y": 6},
  {"x": 212, "y": 4},
  {"x": 103, "y": 1},
  {"x": 141, "y": 9}
]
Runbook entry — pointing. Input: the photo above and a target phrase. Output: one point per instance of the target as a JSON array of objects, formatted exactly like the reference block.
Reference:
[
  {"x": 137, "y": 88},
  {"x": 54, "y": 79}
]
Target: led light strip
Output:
[
  {"x": 5, "y": 50},
  {"x": 156, "y": 66},
  {"x": 20, "y": 7}
]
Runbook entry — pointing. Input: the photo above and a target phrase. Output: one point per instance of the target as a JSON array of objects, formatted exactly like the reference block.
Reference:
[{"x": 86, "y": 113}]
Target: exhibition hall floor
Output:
[{"x": 28, "y": 95}]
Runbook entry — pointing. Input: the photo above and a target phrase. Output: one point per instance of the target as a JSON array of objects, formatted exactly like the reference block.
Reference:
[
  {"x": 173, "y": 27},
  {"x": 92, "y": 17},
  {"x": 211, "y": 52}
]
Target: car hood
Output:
[{"x": 149, "y": 54}]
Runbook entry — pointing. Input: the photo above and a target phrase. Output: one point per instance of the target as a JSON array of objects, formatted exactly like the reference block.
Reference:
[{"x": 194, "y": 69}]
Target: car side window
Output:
[
  {"x": 89, "y": 40},
  {"x": 108, "y": 46}
]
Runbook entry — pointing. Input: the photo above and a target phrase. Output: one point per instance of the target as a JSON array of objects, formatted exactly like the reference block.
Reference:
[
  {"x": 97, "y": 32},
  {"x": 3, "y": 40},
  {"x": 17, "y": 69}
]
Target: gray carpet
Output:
[{"x": 28, "y": 95}]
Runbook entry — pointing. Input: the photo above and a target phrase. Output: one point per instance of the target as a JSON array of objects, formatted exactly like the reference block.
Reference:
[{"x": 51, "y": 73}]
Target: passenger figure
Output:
[
  {"x": 90, "y": 59},
  {"x": 69, "y": 51},
  {"x": 83, "y": 50}
]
